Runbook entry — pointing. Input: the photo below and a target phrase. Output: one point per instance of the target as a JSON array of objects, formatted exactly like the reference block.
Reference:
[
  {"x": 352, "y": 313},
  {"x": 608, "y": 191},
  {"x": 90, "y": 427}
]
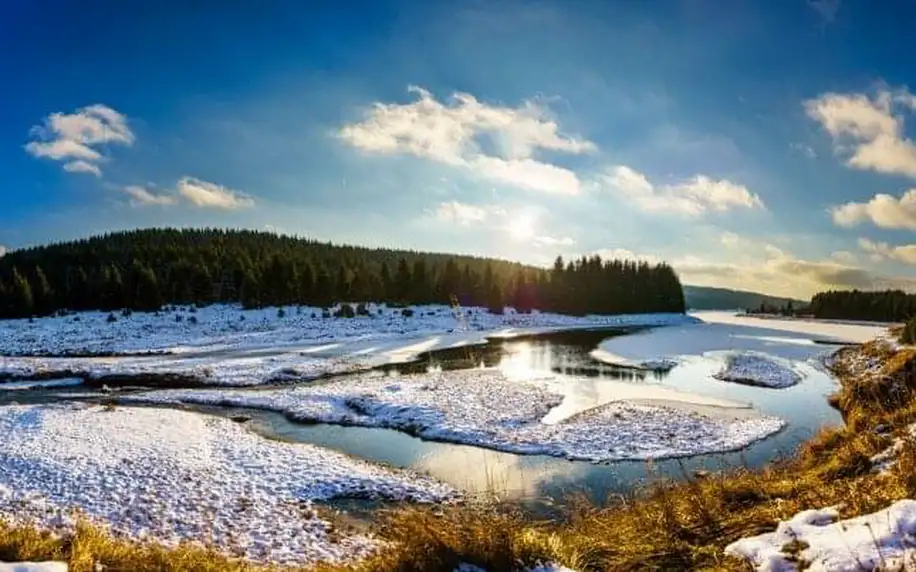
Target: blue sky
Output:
[{"x": 759, "y": 145}]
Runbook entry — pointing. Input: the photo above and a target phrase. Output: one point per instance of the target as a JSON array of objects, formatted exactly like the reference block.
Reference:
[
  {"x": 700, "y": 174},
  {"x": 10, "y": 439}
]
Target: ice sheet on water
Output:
[
  {"x": 33, "y": 567},
  {"x": 487, "y": 409},
  {"x": 759, "y": 369},
  {"x": 170, "y": 475},
  {"x": 881, "y": 540}
]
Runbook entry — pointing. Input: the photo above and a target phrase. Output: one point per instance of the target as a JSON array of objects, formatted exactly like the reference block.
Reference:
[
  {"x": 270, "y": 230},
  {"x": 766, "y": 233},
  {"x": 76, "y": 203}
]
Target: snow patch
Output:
[
  {"x": 753, "y": 368},
  {"x": 488, "y": 409},
  {"x": 33, "y": 567},
  {"x": 886, "y": 459},
  {"x": 882, "y": 540},
  {"x": 172, "y": 476}
]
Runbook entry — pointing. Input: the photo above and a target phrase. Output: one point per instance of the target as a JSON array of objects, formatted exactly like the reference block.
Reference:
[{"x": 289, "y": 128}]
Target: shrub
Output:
[
  {"x": 361, "y": 309},
  {"x": 325, "y": 313},
  {"x": 111, "y": 319},
  {"x": 345, "y": 311},
  {"x": 407, "y": 312},
  {"x": 192, "y": 309},
  {"x": 314, "y": 315},
  {"x": 281, "y": 313},
  {"x": 908, "y": 336},
  {"x": 76, "y": 319},
  {"x": 179, "y": 318},
  {"x": 127, "y": 312},
  {"x": 192, "y": 320}
]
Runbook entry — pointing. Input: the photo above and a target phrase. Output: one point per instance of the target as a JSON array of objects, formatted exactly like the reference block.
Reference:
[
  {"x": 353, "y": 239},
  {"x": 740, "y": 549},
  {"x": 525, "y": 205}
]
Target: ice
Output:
[
  {"x": 486, "y": 408},
  {"x": 30, "y": 384},
  {"x": 754, "y": 368},
  {"x": 882, "y": 540},
  {"x": 168, "y": 476},
  {"x": 231, "y": 346},
  {"x": 833, "y": 330},
  {"x": 33, "y": 567},
  {"x": 550, "y": 567}
]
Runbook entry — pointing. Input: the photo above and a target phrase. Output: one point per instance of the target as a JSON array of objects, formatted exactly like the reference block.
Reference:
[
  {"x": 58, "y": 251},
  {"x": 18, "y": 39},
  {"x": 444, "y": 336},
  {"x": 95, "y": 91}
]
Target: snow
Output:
[
  {"x": 832, "y": 330},
  {"x": 231, "y": 346},
  {"x": 886, "y": 459},
  {"x": 29, "y": 384},
  {"x": 550, "y": 567},
  {"x": 168, "y": 476},
  {"x": 753, "y": 368},
  {"x": 881, "y": 540},
  {"x": 488, "y": 408},
  {"x": 33, "y": 567}
]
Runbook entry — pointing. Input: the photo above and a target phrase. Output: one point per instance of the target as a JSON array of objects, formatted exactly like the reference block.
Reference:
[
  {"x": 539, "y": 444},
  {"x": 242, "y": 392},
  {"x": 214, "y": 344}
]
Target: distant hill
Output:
[{"x": 707, "y": 298}]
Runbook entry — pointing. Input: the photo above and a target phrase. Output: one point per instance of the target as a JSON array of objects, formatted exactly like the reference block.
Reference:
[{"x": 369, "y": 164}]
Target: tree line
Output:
[
  {"x": 876, "y": 306},
  {"x": 144, "y": 269}
]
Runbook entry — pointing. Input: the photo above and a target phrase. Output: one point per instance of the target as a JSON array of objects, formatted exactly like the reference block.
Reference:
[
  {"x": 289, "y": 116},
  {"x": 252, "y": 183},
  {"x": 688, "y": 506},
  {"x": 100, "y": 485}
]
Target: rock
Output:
[
  {"x": 883, "y": 429},
  {"x": 240, "y": 418}
]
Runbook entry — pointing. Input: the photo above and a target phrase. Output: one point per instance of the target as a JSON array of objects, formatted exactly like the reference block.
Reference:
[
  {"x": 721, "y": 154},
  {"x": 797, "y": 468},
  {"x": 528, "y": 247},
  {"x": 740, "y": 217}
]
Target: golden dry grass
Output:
[{"x": 670, "y": 526}]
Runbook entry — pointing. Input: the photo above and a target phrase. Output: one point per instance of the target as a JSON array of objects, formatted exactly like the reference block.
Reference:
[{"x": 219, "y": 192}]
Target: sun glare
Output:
[{"x": 521, "y": 227}]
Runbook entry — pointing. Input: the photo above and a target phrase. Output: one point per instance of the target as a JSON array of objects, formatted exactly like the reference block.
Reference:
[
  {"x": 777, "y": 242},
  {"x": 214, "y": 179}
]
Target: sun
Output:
[{"x": 521, "y": 227}]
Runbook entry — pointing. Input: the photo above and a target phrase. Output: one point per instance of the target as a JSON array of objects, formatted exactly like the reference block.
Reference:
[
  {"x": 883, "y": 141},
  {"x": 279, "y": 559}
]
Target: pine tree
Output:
[{"x": 22, "y": 302}]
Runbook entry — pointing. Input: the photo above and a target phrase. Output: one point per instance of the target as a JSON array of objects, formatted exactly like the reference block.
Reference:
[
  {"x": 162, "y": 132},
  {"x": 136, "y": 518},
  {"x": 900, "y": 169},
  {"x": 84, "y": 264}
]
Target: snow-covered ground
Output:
[
  {"x": 884, "y": 540},
  {"x": 886, "y": 459},
  {"x": 169, "y": 475},
  {"x": 759, "y": 369},
  {"x": 230, "y": 327},
  {"x": 33, "y": 567},
  {"x": 832, "y": 330},
  {"x": 486, "y": 408},
  {"x": 231, "y": 346}
]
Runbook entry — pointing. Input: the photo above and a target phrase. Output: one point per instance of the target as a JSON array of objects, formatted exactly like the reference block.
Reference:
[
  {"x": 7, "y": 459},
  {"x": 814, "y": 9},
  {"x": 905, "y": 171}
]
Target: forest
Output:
[
  {"x": 144, "y": 269},
  {"x": 877, "y": 306}
]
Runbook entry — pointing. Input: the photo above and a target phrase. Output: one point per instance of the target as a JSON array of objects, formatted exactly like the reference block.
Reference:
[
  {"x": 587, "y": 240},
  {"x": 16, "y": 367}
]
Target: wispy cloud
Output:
[
  {"x": 211, "y": 195},
  {"x": 554, "y": 241},
  {"x": 905, "y": 254},
  {"x": 75, "y": 137},
  {"x": 693, "y": 197},
  {"x": 143, "y": 197},
  {"x": 194, "y": 191},
  {"x": 451, "y": 134},
  {"x": 83, "y": 167},
  {"x": 869, "y": 127},
  {"x": 882, "y": 210},
  {"x": 465, "y": 214}
]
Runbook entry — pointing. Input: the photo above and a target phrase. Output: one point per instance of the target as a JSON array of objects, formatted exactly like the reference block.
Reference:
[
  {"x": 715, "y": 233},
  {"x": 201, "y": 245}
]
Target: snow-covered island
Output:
[{"x": 753, "y": 368}]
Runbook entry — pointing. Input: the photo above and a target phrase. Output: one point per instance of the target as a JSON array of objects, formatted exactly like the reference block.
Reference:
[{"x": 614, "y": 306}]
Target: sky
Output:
[{"x": 760, "y": 145}]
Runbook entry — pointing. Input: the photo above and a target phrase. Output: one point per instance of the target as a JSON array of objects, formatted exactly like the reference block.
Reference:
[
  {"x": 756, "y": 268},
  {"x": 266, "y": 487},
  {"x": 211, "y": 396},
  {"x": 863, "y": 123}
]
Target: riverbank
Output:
[{"x": 668, "y": 526}]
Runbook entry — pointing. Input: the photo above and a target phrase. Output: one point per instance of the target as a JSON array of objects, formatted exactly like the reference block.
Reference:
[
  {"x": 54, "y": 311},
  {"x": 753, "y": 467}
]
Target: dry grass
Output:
[
  {"x": 89, "y": 546},
  {"x": 669, "y": 526}
]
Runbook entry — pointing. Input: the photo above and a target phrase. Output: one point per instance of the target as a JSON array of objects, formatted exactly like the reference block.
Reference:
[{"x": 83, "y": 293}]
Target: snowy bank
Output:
[
  {"x": 33, "y": 567},
  {"x": 169, "y": 476},
  {"x": 751, "y": 368},
  {"x": 826, "y": 330},
  {"x": 231, "y": 346},
  {"x": 484, "y": 407},
  {"x": 230, "y": 327},
  {"x": 881, "y": 540}
]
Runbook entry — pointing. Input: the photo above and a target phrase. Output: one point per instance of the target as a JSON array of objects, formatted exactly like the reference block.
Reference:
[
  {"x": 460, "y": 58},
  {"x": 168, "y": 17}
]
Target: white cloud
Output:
[
  {"x": 465, "y": 214},
  {"x": 3, "y": 250},
  {"x": 554, "y": 241},
  {"x": 143, "y": 197},
  {"x": 693, "y": 197},
  {"x": 82, "y": 167},
  {"x": 73, "y": 137},
  {"x": 803, "y": 149},
  {"x": 194, "y": 191},
  {"x": 869, "y": 126},
  {"x": 450, "y": 134},
  {"x": 210, "y": 195},
  {"x": 624, "y": 254},
  {"x": 843, "y": 257},
  {"x": 882, "y": 210},
  {"x": 730, "y": 240},
  {"x": 905, "y": 254}
]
